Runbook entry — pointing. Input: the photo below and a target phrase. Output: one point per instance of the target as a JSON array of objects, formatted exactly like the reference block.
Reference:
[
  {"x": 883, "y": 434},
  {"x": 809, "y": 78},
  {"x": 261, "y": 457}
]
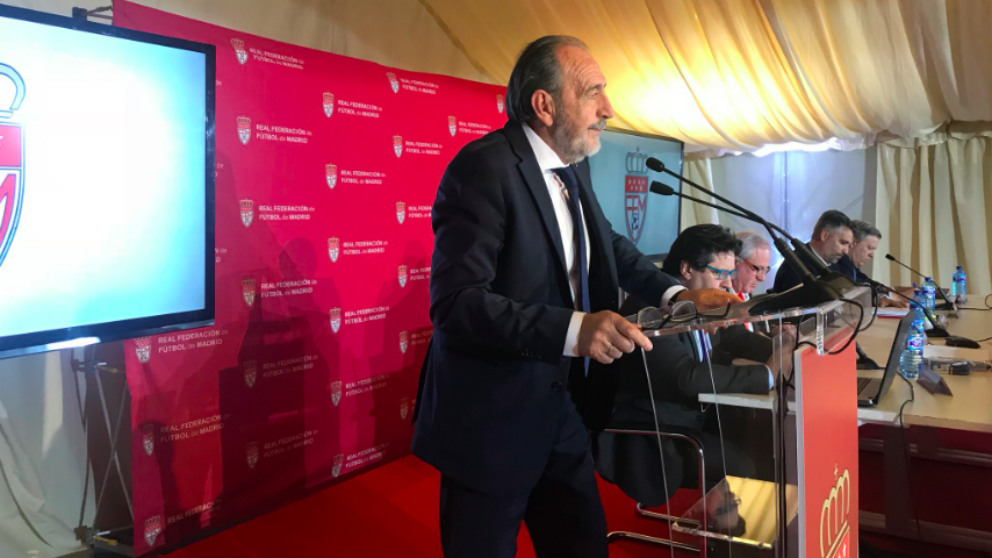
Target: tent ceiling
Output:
[{"x": 740, "y": 74}]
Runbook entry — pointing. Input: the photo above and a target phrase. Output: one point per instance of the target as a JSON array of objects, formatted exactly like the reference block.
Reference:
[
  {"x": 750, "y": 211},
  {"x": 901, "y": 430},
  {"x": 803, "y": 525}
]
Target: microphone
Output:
[
  {"x": 935, "y": 330},
  {"x": 948, "y": 305}
]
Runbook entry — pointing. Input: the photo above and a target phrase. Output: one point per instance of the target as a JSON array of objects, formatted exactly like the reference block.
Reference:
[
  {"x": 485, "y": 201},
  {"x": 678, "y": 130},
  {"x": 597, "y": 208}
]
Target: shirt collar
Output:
[{"x": 547, "y": 159}]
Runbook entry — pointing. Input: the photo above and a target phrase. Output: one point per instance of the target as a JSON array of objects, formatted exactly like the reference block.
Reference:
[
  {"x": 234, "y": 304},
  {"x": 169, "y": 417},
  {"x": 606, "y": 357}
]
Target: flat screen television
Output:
[
  {"x": 106, "y": 183},
  {"x": 621, "y": 181}
]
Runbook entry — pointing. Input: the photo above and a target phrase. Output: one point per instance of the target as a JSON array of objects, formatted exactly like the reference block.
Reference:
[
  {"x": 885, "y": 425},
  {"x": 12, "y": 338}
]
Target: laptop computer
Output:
[{"x": 871, "y": 390}]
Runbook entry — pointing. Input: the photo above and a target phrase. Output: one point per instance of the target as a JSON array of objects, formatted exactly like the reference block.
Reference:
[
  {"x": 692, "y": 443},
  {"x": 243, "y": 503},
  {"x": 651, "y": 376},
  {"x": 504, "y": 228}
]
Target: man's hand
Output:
[
  {"x": 705, "y": 299},
  {"x": 605, "y": 336},
  {"x": 892, "y": 302}
]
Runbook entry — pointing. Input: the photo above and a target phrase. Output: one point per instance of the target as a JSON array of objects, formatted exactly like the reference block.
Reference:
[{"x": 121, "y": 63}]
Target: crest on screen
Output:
[
  {"x": 636, "y": 194},
  {"x": 11, "y": 161}
]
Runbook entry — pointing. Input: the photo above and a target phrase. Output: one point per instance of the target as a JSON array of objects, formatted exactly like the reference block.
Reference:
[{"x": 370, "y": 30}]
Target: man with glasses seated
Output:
[
  {"x": 752, "y": 263},
  {"x": 702, "y": 256}
]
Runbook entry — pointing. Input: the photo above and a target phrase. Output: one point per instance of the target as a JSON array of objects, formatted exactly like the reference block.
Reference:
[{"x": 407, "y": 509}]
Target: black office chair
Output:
[{"x": 674, "y": 433}]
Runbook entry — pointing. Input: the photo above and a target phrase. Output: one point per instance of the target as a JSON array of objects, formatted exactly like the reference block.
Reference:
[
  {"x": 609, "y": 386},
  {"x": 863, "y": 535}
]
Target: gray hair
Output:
[
  {"x": 537, "y": 67},
  {"x": 751, "y": 239},
  {"x": 862, "y": 229}
]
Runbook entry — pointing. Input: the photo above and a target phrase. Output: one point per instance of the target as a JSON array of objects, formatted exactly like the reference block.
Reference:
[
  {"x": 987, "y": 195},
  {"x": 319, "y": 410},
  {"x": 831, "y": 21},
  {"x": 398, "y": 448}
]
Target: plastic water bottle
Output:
[
  {"x": 930, "y": 293},
  {"x": 912, "y": 356},
  {"x": 918, "y": 304},
  {"x": 959, "y": 292}
]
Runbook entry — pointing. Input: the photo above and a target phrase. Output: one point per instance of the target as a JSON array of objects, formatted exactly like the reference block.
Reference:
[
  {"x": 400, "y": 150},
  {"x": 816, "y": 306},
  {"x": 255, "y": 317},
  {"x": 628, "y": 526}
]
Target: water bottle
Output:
[
  {"x": 912, "y": 356},
  {"x": 959, "y": 292},
  {"x": 918, "y": 303},
  {"x": 930, "y": 293}
]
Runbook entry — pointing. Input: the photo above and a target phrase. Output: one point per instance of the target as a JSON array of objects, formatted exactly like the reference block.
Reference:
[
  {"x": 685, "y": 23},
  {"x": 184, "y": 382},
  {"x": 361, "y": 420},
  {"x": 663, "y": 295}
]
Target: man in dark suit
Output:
[
  {"x": 832, "y": 238},
  {"x": 703, "y": 256},
  {"x": 524, "y": 288},
  {"x": 866, "y": 239}
]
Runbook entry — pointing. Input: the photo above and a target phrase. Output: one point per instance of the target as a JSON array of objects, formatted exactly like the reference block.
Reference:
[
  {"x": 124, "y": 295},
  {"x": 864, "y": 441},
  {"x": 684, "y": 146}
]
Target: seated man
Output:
[
  {"x": 752, "y": 263},
  {"x": 701, "y": 257},
  {"x": 862, "y": 251},
  {"x": 831, "y": 240}
]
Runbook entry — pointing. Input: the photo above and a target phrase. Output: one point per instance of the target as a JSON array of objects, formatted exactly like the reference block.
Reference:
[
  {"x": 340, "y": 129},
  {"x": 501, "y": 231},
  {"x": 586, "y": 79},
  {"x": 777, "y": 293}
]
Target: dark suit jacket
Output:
[
  {"x": 846, "y": 267},
  {"x": 786, "y": 278},
  {"x": 677, "y": 379},
  {"x": 492, "y": 401}
]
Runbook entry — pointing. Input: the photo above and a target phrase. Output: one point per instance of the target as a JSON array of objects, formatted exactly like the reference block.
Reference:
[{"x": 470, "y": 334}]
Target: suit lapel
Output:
[{"x": 538, "y": 189}]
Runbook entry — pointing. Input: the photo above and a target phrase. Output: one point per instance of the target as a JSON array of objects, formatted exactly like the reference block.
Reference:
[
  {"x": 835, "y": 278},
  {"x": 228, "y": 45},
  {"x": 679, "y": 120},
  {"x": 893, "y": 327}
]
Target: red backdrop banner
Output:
[{"x": 326, "y": 169}]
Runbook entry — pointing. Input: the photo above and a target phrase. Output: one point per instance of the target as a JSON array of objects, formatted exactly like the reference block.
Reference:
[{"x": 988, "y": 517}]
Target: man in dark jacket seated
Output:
[{"x": 702, "y": 256}]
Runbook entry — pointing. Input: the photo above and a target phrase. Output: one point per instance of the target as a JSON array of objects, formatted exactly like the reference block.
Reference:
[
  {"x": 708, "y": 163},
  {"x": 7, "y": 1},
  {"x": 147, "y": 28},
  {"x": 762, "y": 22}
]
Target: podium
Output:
[{"x": 809, "y": 508}]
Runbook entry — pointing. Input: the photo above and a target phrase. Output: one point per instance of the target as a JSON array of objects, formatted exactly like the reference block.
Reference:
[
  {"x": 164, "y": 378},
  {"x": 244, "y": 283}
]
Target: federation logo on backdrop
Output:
[
  {"x": 499, "y": 103},
  {"x": 333, "y": 248},
  {"x": 250, "y": 369},
  {"x": 398, "y": 145},
  {"x": 404, "y": 407},
  {"x": 400, "y": 212},
  {"x": 404, "y": 341},
  {"x": 331, "y": 173},
  {"x": 328, "y": 104},
  {"x": 401, "y": 275},
  {"x": 11, "y": 163},
  {"x": 248, "y": 291},
  {"x": 239, "y": 50},
  {"x": 148, "y": 439},
  {"x": 143, "y": 349},
  {"x": 336, "y": 464},
  {"x": 335, "y": 319},
  {"x": 247, "y": 212},
  {"x": 636, "y": 194},
  {"x": 394, "y": 83},
  {"x": 251, "y": 454},
  {"x": 452, "y": 125},
  {"x": 244, "y": 129},
  {"x": 336, "y": 392},
  {"x": 153, "y": 527}
]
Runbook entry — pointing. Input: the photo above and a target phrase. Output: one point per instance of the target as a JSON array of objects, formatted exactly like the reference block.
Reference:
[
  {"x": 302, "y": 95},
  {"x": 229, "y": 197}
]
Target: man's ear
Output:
[
  {"x": 685, "y": 270},
  {"x": 544, "y": 107}
]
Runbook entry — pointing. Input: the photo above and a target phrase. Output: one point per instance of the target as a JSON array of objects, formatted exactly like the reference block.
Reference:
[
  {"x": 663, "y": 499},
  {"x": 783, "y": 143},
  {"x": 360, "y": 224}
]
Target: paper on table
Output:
[
  {"x": 955, "y": 353},
  {"x": 892, "y": 312}
]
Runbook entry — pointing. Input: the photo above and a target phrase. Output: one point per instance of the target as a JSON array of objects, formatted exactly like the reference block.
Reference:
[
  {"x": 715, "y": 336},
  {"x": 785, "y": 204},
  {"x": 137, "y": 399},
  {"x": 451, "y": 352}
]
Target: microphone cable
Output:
[{"x": 661, "y": 453}]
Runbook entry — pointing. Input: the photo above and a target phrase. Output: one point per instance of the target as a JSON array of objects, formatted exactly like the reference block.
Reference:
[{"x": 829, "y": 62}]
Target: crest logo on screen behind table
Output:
[
  {"x": 398, "y": 145},
  {"x": 335, "y": 319},
  {"x": 153, "y": 527},
  {"x": 636, "y": 194},
  {"x": 331, "y": 173},
  {"x": 394, "y": 83},
  {"x": 148, "y": 438},
  {"x": 328, "y": 104},
  {"x": 401, "y": 275},
  {"x": 499, "y": 103},
  {"x": 244, "y": 129},
  {"x": 336, "y": 392},
  {"x": 400, "y": 212},
  {"x": 250, "y": 369},
  {"x": 239, "y": 50},
  {"x": 333, "y": 248},
  {"x": 247, "y": 212},
  {"x": 11, "y": 163},
  {"x": 251, "y": 454},
  {"x": 404, "y": 407},
  {"x": 143, "y": 349},
  {"x": 248, "y": 291},
  {"x": 404, "y": 341},
  {"x": 452, "y": 125},
  {"x": 337, "y": 463}
]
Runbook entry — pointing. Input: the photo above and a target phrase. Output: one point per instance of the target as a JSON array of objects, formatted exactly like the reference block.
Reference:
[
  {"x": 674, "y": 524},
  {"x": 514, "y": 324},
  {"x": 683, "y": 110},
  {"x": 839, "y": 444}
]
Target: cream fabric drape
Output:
[
  {"x": 934, "y": 203},
  {"x": 699, "y": 171},
  {"x": 739, "y": 74}
]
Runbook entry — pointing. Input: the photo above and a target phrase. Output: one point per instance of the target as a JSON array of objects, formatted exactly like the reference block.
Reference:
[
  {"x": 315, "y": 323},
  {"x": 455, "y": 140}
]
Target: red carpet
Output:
[{"x": 389, "y": 511}]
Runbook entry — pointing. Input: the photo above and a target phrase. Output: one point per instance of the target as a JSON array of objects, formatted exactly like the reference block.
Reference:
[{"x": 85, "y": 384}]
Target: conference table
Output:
[{"x": 968, "y": 409}]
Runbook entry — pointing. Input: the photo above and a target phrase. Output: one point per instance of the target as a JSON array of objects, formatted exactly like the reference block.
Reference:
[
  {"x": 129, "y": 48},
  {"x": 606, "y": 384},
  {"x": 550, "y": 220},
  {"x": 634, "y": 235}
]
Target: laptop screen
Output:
[{"x": 892, "y": 365}]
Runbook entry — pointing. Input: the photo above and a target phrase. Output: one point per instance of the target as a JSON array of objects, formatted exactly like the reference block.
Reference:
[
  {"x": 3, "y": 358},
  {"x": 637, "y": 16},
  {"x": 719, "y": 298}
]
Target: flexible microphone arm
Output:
[
  {"x": 936, "y": 330},
  {"x": 794, "y": 261},
  {"x": 950, "y": 305},
  {"x": 657, "y": 166}
]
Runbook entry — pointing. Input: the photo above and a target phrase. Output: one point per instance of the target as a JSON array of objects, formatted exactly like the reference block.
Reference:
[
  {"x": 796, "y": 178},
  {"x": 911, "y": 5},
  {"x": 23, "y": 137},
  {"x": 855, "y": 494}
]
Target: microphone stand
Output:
[
  {"x": 811, "y": 292},
  {"x": 948, "y": 305},
  {"x": 935, "y": 331}
]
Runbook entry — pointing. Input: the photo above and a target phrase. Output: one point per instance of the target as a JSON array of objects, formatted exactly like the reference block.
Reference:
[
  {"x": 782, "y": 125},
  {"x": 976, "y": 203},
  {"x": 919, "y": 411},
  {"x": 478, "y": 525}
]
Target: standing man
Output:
[
  {"x": 752, "y": 263},
  {"x": 831, "y": 240},
  {"x": 524, "y": 282}
]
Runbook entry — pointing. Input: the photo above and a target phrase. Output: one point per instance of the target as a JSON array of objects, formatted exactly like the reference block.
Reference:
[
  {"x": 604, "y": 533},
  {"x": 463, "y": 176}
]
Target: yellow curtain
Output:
[
  {"x": 740, "y": 74},
  {"x": 934, "y": 205}
]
